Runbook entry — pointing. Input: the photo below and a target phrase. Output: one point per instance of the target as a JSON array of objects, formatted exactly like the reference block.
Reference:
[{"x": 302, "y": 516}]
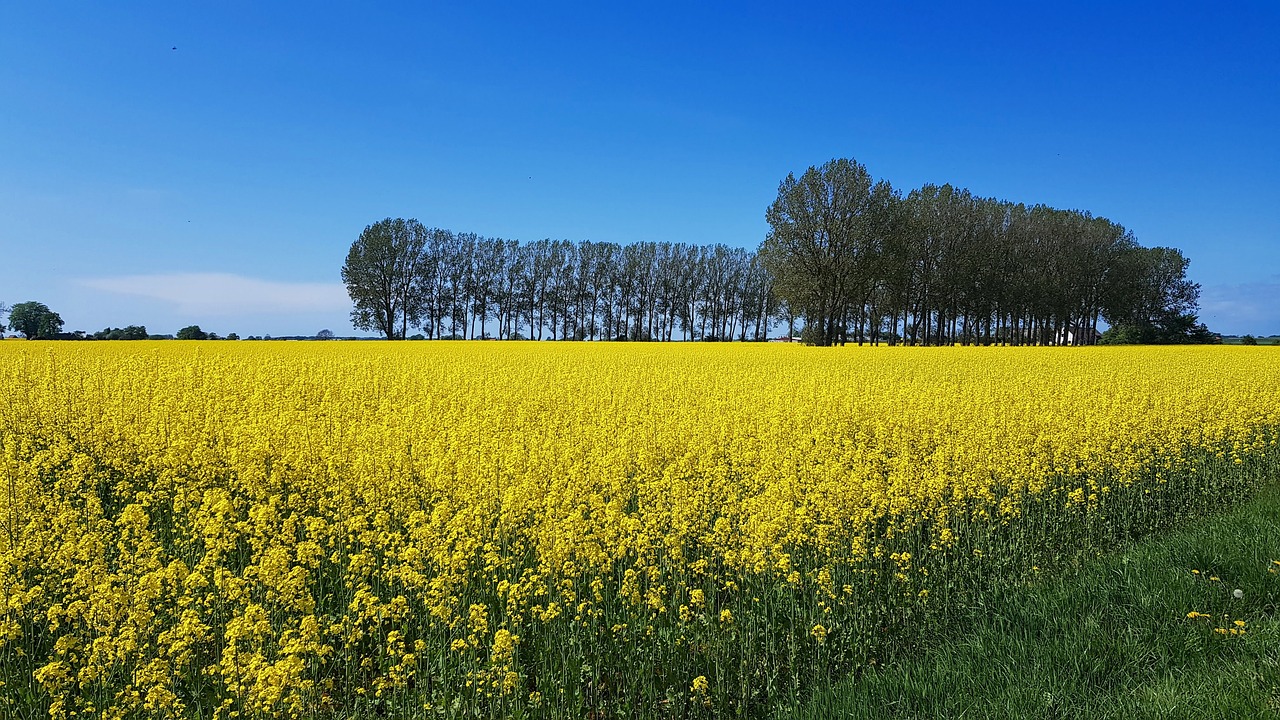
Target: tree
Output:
[
  {"x": 192, "y": 332},
  {"x": 325, "y": 334},
  {"x": 1157, "y": 303},
  {"x": 4, "y": 310},
  {"x": 35, "y": 320},
  {"x": 384, "y": 276},
  {"x": 821, "y": 244}
]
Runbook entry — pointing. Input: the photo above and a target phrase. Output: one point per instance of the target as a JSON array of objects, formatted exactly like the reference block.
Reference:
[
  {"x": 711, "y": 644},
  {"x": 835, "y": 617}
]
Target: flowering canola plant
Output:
[{"x": 560, "y": 530}]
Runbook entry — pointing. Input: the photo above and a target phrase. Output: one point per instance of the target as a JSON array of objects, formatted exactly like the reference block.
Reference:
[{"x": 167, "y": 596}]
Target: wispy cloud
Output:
[{"x": 227, "y": 294}]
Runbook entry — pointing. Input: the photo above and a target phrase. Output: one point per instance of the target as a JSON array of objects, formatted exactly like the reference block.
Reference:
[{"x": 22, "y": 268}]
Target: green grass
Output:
[{"x": 1108, "y": 640}]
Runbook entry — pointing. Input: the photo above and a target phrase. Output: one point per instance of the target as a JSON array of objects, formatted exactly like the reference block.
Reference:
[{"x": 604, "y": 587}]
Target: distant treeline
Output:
[
  {"x": 404, "y": 276},
  {"x": 859, "y": 261},
  {"x": 849, "y": 258}
]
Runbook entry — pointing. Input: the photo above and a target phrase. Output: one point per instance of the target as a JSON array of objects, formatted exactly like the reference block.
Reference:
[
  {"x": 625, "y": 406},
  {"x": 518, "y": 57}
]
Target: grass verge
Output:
[{"x": 1112, "y": 639}]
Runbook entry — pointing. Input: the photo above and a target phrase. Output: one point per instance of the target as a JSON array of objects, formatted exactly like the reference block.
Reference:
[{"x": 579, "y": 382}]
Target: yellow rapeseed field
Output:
[{"x": 222, "y": 529}]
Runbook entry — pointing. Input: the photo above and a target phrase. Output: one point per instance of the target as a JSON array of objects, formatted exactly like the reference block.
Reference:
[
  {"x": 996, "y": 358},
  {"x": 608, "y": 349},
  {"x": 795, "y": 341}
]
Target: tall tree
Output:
[
  {"x": 383, "y": 275},
  {"x": 1156, "y": 302},
  {"x": 816, "y": 248}
]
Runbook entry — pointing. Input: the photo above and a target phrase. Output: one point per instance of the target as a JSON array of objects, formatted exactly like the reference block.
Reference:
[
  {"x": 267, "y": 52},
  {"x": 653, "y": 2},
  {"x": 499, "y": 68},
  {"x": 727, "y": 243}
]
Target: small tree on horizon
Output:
[{"x": 192, "y": 332}]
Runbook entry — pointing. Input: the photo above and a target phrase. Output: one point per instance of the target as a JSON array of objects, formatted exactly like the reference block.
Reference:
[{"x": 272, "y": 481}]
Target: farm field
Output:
[{"x": 483, "y": 529}]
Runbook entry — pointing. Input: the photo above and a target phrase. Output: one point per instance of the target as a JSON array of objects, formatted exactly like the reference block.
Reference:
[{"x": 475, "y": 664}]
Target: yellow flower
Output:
[{"x": 244, "y": 513}]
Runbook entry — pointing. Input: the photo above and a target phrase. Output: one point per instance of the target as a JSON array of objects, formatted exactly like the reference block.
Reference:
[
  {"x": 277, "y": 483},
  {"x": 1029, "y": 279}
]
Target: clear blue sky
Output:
[{"x": 222, "y": 182}]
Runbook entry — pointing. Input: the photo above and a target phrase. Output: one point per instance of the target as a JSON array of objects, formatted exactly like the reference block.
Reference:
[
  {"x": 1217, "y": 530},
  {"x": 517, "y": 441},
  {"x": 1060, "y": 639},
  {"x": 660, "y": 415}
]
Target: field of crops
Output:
[{"x": 222, "y": 529}]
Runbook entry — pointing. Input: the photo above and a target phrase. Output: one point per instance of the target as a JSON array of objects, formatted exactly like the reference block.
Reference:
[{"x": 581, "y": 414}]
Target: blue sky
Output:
[{"x": 221, "y": 183}]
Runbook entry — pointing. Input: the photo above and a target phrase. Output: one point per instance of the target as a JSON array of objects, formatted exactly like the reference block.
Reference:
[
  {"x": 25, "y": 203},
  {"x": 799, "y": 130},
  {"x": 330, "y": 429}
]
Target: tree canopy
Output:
[
  {"x": 825, "y": 245},
  {"x": 562, "y": 290},
  {"x": 851, "y": 256},
  {"x": 1153, "y": 302},
  {"x": 132, "y": 332},
  {"x": 383, "y": 275},
  {"x": 859, "y": 261},
  {"x": 35, "y": 320}
]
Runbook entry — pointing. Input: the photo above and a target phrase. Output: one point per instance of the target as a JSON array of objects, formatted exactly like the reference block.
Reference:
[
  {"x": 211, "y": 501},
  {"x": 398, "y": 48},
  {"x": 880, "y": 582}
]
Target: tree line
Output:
[
  {"x": 860, "y": 261},
  {"x": 847, "y": 258},
  {"x": 36, "y": 321},
  {"x": 403, "y": 276}
]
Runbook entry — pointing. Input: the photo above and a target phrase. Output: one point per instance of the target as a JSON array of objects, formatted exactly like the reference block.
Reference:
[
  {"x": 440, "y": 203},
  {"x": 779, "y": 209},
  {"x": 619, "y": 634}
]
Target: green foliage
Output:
[
  {"x": 383, "y": 275},
  {"x": 132, "y": 332},
  {"x": 1181, "y": 329},
  {"x": 825, "y": 229},
  {"x": 1126, "y": 335},
  {"x": 192, "y": 332},
  {"x": 35, "y": 320},
  {"x": 811, "y": 335},
  {"x": 859, "y": 262},
  {"x": 1151, "y": 301},
  {"x": 1248, "y": 340}
]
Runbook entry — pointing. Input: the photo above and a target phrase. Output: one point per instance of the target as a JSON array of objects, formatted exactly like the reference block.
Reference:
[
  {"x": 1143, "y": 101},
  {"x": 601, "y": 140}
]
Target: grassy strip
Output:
[{"x": 1111, "y": 640}]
